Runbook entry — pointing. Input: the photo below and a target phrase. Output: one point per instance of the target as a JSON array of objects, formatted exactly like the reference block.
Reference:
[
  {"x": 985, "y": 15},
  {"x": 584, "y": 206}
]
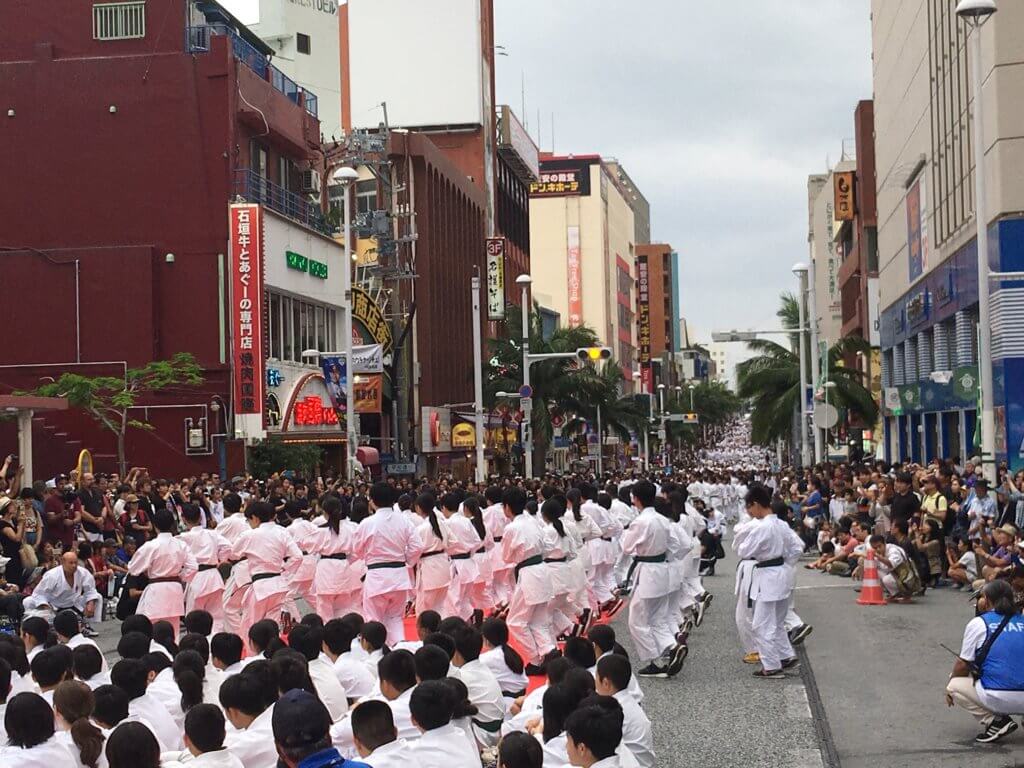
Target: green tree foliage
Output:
[
  {"x": 109, "y": 399},
  {"x": 272, "y": 456}
]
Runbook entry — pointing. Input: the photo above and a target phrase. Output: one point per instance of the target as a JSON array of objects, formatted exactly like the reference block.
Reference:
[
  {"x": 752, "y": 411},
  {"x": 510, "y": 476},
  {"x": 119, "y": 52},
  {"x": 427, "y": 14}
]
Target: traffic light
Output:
[{"x": 593, "y": 354}]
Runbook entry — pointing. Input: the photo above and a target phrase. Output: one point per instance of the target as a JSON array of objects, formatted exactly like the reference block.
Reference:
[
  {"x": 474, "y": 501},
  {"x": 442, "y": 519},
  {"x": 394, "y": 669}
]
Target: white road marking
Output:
[
  {"x": 796, "y": 702},
  {"x": 805, "y": 758}
]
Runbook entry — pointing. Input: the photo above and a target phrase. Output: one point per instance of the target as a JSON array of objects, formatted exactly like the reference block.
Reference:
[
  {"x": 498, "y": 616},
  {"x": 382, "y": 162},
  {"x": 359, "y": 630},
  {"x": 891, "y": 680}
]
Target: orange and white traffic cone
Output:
[{"x": 871, "y": 590}]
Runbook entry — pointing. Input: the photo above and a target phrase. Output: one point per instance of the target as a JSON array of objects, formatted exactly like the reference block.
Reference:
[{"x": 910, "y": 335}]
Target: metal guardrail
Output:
[
  {"x": 197, "y": 40},
  {"x": 258, "y": 189}
]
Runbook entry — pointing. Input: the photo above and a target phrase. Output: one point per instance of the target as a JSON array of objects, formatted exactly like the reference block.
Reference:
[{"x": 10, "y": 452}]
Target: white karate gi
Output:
[
  {"x": 651, "y": 626},
  {"x": 236, "y": 587},
  {"x": 395, "y": 754},
  {"x": 529, "y": 620},
  {"x": 513, "y": 684},
  {"x": 53, "y": 594},
  {"x": 328, "y": 688},
  {"x": 463, "y": 541},
  {"x": 744, "y": 578},
  {"x": 445, "y": 747},
  {"x": 434, "y": 573},
  {"x": 502, "y": 579},
  {"x": 387, "y": 542},
  {"x": 558, "y": 552},
  {"x": 637, "y": 736},
  {"x": 603, "y": 550},
  {"x": 49, "y": 754},
  {"x": 485, "y": 694},
  {"x": 206, "y": 591},
  {"x": 307, "y": 536},
  {"x": 272, "y": 556},
  {"x": 254, "y": 746},
  {"x": 337, "y": 587}
]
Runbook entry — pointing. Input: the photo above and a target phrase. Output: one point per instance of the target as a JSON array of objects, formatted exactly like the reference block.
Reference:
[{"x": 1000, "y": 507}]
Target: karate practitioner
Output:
[
  {"x": 529, "y": 619},
  {"x": 434, "y": 574},
  {"x": 463, "y": 540},
  {"x": 745, "y": 604},
  {"x": 387, "y": 542},
  {"x": 168, "y": 564},
  {"x": 209, "y": 548},
  {"x": 772, "y": 544},
  {"x": 495, "y": 520},
  {"x": 336, "y": 588},
  {"x": 603, "y": 552},
  {"x": 558, "y": 551},
  {"x": 306, "y": 534},
  {"x": 650, "y": 541},
  {"x": 66, "y": 586},
  {"x": 238, "y": 581},
  {"x": 273, "y": 557}
]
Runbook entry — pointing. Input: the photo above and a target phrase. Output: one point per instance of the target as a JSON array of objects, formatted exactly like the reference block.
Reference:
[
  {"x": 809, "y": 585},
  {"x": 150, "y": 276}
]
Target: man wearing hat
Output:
[
  {"x": 982, "y": 508},
  {"x": 992, "y": 563},
  {"x": 302, "y": 728}
]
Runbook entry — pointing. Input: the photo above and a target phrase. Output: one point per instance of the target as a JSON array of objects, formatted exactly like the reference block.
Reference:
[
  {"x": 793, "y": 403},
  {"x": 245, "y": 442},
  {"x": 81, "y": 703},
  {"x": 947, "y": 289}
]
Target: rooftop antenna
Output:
[
  {"x": 552, "y": 133},
  {"x": 522, "y": 92}
]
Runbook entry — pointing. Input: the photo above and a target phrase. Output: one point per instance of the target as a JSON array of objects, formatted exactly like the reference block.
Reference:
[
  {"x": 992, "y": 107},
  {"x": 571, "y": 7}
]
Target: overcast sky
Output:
[{"x": 717, "y": 110}]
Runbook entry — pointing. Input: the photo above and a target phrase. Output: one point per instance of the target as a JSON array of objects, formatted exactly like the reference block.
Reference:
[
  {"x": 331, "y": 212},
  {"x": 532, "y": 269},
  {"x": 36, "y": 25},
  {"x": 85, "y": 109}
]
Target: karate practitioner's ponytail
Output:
[
  {"x": 552, "y": 512},
  {"x": 425, "y": 503},
  {"x": 495, "y": 632},
  {"x": 472, "y": 506}
]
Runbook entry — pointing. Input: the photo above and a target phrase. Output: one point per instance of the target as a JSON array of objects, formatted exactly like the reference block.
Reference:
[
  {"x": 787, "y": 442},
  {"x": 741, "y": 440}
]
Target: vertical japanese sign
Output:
[
  {"x": 575, "y": 276},
  {"x": 495, "y": 278},
  {"x": 844, "y": 200},
  {"x": 917, "y": 229},
  {"x": 643, "y": 320},
  {"x": 246, "y": 246}
]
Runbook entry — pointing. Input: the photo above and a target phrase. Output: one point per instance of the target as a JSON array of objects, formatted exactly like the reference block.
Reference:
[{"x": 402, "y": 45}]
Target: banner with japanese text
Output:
[{"x": 246, "y": 312}]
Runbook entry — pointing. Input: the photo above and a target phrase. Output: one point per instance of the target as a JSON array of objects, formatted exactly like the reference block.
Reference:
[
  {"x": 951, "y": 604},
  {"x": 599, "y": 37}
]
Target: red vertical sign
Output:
[
  {"x": 575, "y": 276},
  {"x": 246, "y": 247},
  {"x": 643, "y": 317}
]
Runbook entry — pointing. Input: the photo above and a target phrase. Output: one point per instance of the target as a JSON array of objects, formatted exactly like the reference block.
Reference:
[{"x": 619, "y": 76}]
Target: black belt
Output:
[
  {"x": 514, "y": 694},
  {"x": 555, "y": 559},
  {"x": 497, "y": 539},
  {"x": 388, "y": 564},
  {"x": 335, "y": 556},
  {"x": 462, "y": 556},
  {"x": 606, "y": 538},
  {"x": 436, "y": 552},
  {"x": 261, "y": 576},
  {"x": 204, "y": 567},
  {"x": 535, "y": 560},
  {"x": 637, "y": 559},
  {"x": 775, "y": 562},
  {"x": 480, "y": 551},
  {"x": 489, "y": 726},
  {"x": 165, "y": 580}
]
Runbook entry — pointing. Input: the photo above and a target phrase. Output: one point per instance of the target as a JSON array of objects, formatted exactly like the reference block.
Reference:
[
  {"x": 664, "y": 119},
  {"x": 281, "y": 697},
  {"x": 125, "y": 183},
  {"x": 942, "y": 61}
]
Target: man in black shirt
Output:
[
  {"x": 905, "y": 503},
  {"x": 92, "y": 508}
]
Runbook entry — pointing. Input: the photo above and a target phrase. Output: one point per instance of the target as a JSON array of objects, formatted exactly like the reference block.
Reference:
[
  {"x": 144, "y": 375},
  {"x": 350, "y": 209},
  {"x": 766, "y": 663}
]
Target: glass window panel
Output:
[
  {"x": 321, "y": 330},
  {"x": 297, "y": 330},
  {"x": 273, "y": 322},
  {"x": 287, "y": 340}
]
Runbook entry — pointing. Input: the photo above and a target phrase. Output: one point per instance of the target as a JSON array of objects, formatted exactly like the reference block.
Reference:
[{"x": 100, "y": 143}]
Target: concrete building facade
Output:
[{"x": 926, "y": 225}]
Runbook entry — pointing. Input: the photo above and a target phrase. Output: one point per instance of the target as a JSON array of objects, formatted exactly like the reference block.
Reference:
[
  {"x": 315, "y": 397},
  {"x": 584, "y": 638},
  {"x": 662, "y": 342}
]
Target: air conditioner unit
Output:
[{"x": 311, "y": 182}]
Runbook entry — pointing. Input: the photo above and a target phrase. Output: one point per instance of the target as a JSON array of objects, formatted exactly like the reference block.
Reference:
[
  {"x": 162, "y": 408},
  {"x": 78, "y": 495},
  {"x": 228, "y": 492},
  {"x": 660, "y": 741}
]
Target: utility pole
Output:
[{"x": 478, "y": 381}]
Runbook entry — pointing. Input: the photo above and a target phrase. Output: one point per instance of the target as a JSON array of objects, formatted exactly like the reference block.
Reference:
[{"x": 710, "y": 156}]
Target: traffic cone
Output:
[{"x": 871, "y": 589}]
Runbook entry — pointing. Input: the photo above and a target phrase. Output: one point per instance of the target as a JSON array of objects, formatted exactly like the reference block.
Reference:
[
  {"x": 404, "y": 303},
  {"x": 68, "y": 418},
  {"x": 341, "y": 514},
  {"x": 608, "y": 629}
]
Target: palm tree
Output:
[
  {"x": 560, "y": 385},
  {"x": 771, "y": 381}
]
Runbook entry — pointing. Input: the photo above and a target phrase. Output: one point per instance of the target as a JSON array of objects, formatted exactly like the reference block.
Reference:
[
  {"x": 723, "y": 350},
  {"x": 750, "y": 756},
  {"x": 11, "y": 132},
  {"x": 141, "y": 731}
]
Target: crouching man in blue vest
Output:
[{"x": 988, "y": 677}]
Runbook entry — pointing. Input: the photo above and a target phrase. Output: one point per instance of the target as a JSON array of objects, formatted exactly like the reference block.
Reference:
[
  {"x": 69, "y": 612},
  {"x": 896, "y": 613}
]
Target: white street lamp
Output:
[
  {"x": 975, "y": 13},
  {"x": 524, "y": 281},
  {"x": 800, "y": 270},
  {"x": 345, "y": 176}
]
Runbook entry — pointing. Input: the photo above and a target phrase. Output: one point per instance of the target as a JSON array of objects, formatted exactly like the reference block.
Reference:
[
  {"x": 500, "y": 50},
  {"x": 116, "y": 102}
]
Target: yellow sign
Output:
[
  {"x": 84, "y": 466},
  {"x": 368, "y": 314},
  {"x": 366, "y": 251},
  {"x": 845, "y": 205},
  {"x": 463, "y": 436},
  {"x": 369, "y": 392}
]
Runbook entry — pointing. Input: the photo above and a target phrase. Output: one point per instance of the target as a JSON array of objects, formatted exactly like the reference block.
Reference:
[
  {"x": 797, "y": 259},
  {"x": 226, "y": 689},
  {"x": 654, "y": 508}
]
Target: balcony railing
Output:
[
  {"x": 258, "y": 189},
  {"x": 198, "y": 41}
]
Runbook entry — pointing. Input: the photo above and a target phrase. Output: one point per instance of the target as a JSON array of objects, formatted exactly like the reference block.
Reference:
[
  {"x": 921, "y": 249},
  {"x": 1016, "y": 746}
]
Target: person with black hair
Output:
[
  {"x": 133, "y": 745},
  {"x": 581, "y": 529},
  {"x": 51, "y": 668},
  {"x": 337, "y": 587},
  {"x": 264, "y": 639},
  {"x": 373, "y": 639},
  {"x": 309, "y": 641},
  {"x": 205, "y": 592},
  {"x": 603, "y": 549},
  {"x": 520, "y": 750},
  {"x": 480, "y": 595},
  {"x": 246, "y": 707},
  {"x": 432, "y": 663},
  {"x": 273, "y": 557},
  {"x": 482, "y": 685},
  {"x": 464, "y": 540},
  {"x": 387, "y": 543},
  {"x": 605, "y": 644},
  {"x": 594, "y": 733},
  {"x": 35, "y": 630},
  {"x": 306, "y": 534},
  {"x": 110, "y": 707},
  {"x": 73, "y": 704},
  {"x": 495, "y": 521},
  {"x": 164, "y": 635},
  {"x": 354, "y": 676},
  {"x": 68, "y": 626},
  {"x": 612, "y": 679},
  {"x": 376, "y": 738},
  {"x": 31, "y": 735},
  {"x": 237, "y": 577},
  {"x": 773, "y": 545},
  {"x": 168, "y": 564},
  {"x": 226, "y": 653},
  {"x": 434, "y": 574},
  {"x": 559, "y": 550},
  {"x": 204, "y": 738},
  {"x": 87, "y": 664},
  {"x": 623, "y": 510},
  {"x": 503, "y": 660},
  {"x": 200, "y": 622},
  {"x": 528, "y": 707},
  {"x": 529, "y": 619},
  {"x": 442, "y": 744},
  {"x": 132, "y": 676},
  {"x": 650, "y": 542}
]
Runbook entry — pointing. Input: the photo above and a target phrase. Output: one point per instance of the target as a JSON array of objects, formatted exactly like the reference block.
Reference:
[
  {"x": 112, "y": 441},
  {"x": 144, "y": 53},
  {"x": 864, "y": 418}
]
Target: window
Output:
[
  {"x": 118, "y": 21},
  {"x": 366, "y": 196},
  {"x": 302, "y": 43},
  {"x": 257, "y": 158},
  {"x": 297, "y": 325}
]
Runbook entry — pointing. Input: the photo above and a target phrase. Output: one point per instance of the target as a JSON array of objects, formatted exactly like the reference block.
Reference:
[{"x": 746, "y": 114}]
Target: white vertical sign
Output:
[{"x": 495, "y": 278}]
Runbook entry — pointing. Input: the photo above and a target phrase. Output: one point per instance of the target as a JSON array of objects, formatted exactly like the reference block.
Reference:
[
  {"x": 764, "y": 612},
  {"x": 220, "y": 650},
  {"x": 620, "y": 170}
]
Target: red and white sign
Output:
[
  {"x": 246, "y": 259},
  {"x": 575, "y": 276}
]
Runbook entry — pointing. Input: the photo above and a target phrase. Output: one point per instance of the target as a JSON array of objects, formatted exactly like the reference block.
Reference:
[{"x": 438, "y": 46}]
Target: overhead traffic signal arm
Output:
[{"x": 593, "y": 354}]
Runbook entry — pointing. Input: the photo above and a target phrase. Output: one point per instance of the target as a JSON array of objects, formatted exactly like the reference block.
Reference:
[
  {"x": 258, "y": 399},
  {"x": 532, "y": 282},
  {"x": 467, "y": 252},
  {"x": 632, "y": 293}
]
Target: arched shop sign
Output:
[
  {"x": 309, "y": 407},
  {"x": 369, "y": 320}
]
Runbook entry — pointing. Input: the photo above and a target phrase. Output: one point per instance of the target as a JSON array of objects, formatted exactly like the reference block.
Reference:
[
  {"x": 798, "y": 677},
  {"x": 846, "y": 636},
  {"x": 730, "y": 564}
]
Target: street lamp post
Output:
[
  {"x": 692, "y": 388},
  {"x": 662, "y": 434},
  {"x": 975, "y": 13},
  {"x": 800, "y": 270},
  {"x": 478, "y": 381},
  {"x": 345, "y": 176},
  {"x": 638, "y": 377},
  {"x": 523, "y": 281}
]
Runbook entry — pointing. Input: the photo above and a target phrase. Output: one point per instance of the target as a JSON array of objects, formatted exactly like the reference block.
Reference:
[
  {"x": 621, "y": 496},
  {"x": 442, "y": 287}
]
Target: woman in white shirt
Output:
[
  {"x": 558, "y": 551},
  {"x": 73, "y": 704},
  {"x": 337, "y": 584},
  {"x": 434, "y": 573},
  {"x": 503, "y": 660},
  {"x": 31, "y": 738}
]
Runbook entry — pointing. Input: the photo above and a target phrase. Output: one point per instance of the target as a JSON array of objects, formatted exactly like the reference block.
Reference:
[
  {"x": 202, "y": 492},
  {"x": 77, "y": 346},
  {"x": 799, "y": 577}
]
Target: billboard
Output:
[
  {"x": 643, "y": 309},
  {"x": 574, "y": 274},
  {"x": 845, "y": 204},
  {"x": 917, "y": 229},
  {"x": 562, "y": 178},
  {"x": 246, "y": 260},
  {"x": 495, "y": 278},
  {"x": 439, "y": 84}
]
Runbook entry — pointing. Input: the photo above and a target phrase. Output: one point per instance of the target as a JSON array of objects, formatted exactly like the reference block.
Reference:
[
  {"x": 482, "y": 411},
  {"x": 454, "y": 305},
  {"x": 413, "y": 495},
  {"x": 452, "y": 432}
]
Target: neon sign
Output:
[{"x": 310, "y": 411}]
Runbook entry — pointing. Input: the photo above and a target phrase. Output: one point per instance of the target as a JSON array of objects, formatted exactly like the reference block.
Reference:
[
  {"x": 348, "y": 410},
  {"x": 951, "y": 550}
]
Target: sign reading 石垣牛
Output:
[{"x": 246, "y": 258}]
